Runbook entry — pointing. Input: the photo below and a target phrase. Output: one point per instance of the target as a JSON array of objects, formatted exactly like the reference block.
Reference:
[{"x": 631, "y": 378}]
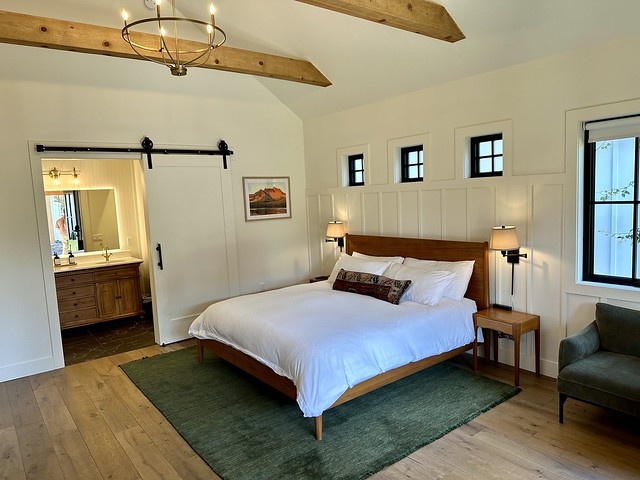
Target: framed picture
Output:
[{"x": 266, "y": 198}]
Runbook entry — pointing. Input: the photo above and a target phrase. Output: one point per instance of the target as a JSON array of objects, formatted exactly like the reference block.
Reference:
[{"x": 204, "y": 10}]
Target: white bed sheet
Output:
[{"x": 327, "y": 341}]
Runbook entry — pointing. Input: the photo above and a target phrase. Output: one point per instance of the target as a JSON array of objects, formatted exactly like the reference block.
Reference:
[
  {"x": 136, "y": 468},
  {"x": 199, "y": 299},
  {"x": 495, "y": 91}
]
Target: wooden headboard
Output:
[{"x": 478, "y": 289}]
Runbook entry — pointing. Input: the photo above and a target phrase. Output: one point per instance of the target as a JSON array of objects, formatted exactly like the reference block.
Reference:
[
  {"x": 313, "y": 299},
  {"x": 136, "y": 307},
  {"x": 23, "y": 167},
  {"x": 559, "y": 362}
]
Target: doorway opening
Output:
[{"x": 96, "y": 215}]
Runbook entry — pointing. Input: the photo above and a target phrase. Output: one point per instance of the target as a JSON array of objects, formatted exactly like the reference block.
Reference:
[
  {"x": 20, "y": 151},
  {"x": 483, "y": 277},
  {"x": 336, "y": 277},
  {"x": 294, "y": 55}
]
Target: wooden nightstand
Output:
[{"x": 511, "y": 323}]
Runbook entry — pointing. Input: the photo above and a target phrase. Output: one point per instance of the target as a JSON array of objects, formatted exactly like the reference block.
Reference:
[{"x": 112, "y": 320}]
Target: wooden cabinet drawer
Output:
[
  {"x": 66, "y": 281},
  {"x": 116, "y": 273},
  {"x": 71, "y": 293},
  {"x": 76, "y": 304},
  {"x": 68, "y": 319}
]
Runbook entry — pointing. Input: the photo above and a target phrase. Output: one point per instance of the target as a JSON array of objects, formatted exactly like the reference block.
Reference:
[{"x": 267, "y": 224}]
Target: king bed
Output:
[{"x": 323, "y": 346}]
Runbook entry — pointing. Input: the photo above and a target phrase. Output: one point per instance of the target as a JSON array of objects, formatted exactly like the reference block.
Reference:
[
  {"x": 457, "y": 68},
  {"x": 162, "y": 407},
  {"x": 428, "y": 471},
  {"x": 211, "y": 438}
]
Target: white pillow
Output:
[
  {"x": 378, "y": 259},
  {"x": 355, "y": 264},
  {"x": 427, "y": 286},
  {"x": 463, "y": 270}
]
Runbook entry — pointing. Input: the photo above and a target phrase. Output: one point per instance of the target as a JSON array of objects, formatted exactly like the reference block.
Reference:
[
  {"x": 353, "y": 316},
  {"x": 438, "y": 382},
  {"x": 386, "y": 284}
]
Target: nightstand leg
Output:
[
  {"x": 537, "y": 333},
  {"x": 496, "y": 346},
  {"x": 475, "y": 352},
  {"x": 516, "y": 358},
  {"x": 487, "y": 344}
]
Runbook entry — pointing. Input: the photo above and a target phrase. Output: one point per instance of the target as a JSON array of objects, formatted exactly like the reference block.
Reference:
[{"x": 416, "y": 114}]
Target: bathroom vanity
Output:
[{"x": 97, "y": 292}]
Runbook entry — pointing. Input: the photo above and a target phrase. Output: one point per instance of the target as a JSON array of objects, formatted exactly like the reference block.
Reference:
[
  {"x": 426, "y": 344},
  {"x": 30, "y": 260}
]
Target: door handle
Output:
[{"x": 159, "y": 250}]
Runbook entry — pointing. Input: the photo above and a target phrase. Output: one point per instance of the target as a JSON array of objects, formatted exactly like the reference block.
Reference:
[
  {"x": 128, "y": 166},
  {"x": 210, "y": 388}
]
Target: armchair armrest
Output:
[{"x": 578, "y": 346}]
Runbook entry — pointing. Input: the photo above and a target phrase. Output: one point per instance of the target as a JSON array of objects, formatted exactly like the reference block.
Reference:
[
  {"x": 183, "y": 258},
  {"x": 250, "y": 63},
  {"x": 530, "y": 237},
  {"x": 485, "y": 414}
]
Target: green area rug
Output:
[{"x": 245, "y": 430}]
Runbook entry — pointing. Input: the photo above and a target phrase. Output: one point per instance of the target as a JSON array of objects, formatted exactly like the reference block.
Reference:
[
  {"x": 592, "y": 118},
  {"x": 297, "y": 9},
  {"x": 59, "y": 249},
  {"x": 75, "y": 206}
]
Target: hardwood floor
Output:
[{"x": 88, "y": 421}]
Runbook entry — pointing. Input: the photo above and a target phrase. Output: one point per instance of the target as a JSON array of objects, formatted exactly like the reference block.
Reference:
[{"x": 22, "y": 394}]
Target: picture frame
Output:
[{"x": 266, "y": 198}]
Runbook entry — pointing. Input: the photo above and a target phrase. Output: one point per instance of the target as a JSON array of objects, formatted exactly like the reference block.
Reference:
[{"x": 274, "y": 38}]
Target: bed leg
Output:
[
  {"x": 318, "y": 421},
  {"x": 200, "y": 352}
]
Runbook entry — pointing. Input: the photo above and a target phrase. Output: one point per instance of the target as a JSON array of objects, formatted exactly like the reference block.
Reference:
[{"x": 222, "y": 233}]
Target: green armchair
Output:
[{"x": 601, "y": 363}]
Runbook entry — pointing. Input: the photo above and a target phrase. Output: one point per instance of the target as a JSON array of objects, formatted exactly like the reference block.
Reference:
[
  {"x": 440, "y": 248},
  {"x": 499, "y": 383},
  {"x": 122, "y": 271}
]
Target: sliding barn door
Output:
[{"x": 191, "y": 236}]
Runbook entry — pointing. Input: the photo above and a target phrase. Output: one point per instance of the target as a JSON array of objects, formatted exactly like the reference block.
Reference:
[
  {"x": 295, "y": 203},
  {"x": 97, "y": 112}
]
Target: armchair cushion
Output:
[
  {"x": 604, "y": 378},
  {"x": 619, "y": 329}
]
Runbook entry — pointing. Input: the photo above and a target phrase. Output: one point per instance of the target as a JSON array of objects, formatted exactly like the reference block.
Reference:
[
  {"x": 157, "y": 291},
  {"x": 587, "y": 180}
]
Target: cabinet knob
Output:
[
  {"x": 76, "y": 315},
  {"x": 73, "y": 293},
  {"x": 75, "y": 304},
  {"x": 73, "y": 279}
]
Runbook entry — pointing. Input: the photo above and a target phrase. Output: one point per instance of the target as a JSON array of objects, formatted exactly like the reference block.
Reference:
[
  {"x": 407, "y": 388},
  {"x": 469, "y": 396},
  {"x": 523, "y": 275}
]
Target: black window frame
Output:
[
  {"x": 351, "y": 160},
  {"x": 476, "y": 157},
  {"x": 405, "y": 164},
  {"x": 588, "y": 219}
]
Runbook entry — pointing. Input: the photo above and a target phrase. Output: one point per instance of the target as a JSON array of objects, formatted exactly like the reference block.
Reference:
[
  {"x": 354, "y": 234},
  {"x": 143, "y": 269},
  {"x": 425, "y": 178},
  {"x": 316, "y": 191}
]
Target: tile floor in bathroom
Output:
[{"x": 108, "y": 338}]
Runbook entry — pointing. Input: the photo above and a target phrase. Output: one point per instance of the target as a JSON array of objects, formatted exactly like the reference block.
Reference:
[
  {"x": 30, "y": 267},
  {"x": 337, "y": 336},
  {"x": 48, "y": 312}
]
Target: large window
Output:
[
  {"x": 611, "y": 202},
  {"x": 486, "y": 156},
  {"x": 411, "y": 164},
  {"x": 356, "y": 169}
]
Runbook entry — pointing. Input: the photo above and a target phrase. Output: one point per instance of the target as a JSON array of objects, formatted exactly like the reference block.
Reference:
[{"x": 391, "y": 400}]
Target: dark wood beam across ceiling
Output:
[
  {"x": 418, "y": 16},
  {"x": 21, "y": 29}
]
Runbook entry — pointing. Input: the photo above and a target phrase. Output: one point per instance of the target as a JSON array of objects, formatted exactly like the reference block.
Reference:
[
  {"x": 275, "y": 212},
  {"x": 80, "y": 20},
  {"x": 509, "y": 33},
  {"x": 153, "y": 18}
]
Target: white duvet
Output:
[{"x": 327, "y": 341}]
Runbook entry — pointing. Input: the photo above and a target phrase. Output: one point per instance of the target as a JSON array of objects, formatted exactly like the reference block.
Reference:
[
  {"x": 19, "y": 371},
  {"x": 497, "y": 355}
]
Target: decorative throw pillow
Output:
[
  {"x": 355, "y": 264},
  {"x": 427, "y": 286},
  {"x": 377, "y": 286}
]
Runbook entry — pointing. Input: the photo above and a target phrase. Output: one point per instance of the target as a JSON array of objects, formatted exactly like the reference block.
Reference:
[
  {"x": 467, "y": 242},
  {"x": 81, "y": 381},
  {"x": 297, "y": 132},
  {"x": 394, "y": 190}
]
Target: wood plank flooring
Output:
[{"x": 88, "y": 421}]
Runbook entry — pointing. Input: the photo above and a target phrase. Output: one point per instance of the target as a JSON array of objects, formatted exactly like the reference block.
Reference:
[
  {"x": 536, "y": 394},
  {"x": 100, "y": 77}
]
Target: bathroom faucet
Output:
[{"x": 106, "y": 253}]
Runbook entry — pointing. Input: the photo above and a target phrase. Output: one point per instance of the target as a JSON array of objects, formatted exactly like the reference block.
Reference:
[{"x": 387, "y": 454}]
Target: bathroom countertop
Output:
[{"x": 96, "y": 264}]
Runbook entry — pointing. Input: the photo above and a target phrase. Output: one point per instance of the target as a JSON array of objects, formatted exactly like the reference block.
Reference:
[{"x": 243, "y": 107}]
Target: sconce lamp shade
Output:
[
  {"x": 335, "y": 230},
  {"x": 504, "y": 238}
]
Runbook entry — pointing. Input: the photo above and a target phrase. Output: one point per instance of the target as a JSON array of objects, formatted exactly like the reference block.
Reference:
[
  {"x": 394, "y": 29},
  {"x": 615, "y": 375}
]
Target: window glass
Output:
[
  {"x": 486, "y": 155},
  {"x": 356, "y": 169},
  {"x": 611, "y": 211},
  {"x": 411, "y": 164}
]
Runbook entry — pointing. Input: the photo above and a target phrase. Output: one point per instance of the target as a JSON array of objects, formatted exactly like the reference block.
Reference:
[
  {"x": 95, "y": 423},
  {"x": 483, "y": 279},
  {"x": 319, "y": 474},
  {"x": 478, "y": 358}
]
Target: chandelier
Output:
[{"x": 175, "y": 53}]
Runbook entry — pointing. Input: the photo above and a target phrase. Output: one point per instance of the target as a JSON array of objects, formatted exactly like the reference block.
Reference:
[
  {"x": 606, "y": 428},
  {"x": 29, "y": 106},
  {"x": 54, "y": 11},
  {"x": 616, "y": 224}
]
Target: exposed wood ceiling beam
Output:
[
  {"x": 21, "y": 29},
  {"x": 418, "y": 16}
]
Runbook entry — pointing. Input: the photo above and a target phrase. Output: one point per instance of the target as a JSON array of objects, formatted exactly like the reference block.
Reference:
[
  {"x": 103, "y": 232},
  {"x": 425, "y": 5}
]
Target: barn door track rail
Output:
[{"x": 146, "y": 148}]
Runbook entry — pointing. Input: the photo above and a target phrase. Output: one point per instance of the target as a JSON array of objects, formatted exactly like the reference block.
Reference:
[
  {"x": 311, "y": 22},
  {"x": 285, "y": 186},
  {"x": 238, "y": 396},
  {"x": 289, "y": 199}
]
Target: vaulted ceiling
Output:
[{"x": 367, "y": 61}]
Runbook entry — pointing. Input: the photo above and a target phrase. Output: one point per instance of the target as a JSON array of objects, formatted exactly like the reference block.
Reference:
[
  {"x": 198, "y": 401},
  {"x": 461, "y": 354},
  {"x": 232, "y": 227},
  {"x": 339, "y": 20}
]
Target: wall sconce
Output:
[
  {"x": 56, "y": 174},
  {"x": 336, "y": 233},
  {"x": 505, "y": 239}
]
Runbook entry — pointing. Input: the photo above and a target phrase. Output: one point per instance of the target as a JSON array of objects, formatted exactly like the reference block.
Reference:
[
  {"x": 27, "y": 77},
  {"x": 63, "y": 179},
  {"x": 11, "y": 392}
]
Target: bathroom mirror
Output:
[{"x": 82, "y": 220}]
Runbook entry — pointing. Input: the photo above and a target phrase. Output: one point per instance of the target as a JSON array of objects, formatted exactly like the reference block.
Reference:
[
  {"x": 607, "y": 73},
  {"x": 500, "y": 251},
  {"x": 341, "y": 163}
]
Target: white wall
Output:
[
  {"x": 530, "y": 103},
  {"x": 52, "y": 96}
]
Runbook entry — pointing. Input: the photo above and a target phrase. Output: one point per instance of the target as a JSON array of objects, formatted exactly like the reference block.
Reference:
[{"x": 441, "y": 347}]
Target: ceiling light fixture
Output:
[{"x": 170, "y": 50}]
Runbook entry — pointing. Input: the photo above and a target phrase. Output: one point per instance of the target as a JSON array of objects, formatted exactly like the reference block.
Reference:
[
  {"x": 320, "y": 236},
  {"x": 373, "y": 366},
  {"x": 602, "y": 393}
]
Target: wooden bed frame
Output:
[{"x": 477, "y": 290}]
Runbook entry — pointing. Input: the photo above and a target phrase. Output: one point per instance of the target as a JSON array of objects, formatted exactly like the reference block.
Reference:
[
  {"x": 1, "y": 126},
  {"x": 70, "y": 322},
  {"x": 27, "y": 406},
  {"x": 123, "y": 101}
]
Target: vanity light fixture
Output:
[
  {"x": 55, "y": 174},
  {"x": 336, "y": 233},
  {"x": 168, "y": 48}
]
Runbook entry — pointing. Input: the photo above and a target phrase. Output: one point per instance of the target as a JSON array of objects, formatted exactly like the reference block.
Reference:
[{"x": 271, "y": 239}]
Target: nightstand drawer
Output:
[{"x": 492, "y": 324}]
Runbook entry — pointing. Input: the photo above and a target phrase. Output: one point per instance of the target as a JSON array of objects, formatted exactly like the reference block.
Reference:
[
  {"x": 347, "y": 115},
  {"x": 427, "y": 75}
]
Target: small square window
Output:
[
  {"x": 411, "y": 163},
  {"x": 356, "y": 169},
  {"x": 486, "y": 156}
]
